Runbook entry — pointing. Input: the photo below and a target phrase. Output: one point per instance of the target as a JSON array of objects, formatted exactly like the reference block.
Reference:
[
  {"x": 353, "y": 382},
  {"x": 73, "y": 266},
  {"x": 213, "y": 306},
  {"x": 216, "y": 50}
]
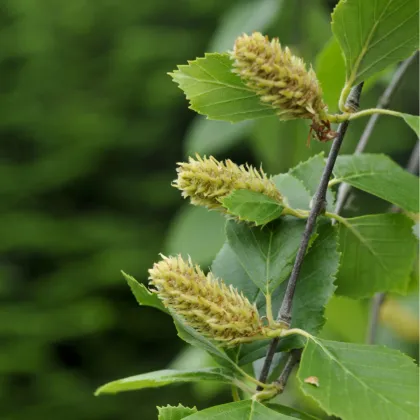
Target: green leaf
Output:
[
  {"x": 380, "y": 176},
  {"x": 375, "y": 34},
  {"x": 295, "y": 194},
  {"x": 175, "y": 413},
  {"x": 211, "y": 137},
  {"x": 182, "y": 236},
  {"x": 413, "y": 121},
  {"x": 378, "y": 255},
  {"x": 309, "y": 173},
  {"x": 213, "y": 90},
  {"x": 142, "y": 294},
  {"x": 266, "y": 254},
  {"x": 360, "y": 382},
  {"x": 244, "y": 17},
  {"x": 247, "y": 409},
  {"x": 164, "y": 377},
  {"x": 314, "y": 288},
  {"x": 252, "y": 206}
]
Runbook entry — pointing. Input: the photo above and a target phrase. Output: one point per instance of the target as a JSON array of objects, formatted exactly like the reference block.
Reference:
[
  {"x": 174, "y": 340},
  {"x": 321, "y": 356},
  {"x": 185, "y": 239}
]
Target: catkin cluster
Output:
[
  {"x": 278, "y": 77},
  {"x": 204, "y": 302},
  {"x": 206, "y": 181}
]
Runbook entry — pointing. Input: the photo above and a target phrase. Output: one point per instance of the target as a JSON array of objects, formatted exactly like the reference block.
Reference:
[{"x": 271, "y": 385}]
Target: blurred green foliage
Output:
[{"x": 90, "y": 130}]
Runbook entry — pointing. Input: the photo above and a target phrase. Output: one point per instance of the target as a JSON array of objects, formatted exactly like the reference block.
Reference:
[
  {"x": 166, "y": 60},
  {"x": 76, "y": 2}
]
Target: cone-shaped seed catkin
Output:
[
  {"x": 204, "y": 302},
  {"x": 278, "y": 77},
  {"x": 206, "y": 181}
]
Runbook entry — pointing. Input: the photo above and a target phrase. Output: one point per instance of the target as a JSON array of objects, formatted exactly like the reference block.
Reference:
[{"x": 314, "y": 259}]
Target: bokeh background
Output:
[{"x": 91, "y": 127}]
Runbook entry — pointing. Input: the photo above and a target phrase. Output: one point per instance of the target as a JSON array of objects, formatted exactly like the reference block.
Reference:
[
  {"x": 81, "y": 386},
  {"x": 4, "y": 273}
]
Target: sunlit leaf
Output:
[
  {"x": 375, "y": 34},
  {"x": 251, "y": 206},
  {"x": 164, "y": 377},
  {"x": 142, "y": 294},
  {"x": 360, "y": 382},
  {"x": 213, "y": 90},
  {"x": 175, "y": 413}
]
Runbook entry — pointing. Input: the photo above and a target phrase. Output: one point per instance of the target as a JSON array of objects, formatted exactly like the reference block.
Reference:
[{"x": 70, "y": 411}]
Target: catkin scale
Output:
[
  {"x": 205, "y": 303},
  {"x": 278, "y": 77},
  {"x": 206, "y": 181}
]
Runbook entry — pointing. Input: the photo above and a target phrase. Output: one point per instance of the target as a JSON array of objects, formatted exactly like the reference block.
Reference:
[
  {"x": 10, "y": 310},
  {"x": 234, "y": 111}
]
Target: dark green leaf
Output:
[
  {"x": 251, "y": 206},
  {"x": 314, "y": 288},
  {"x": 378, "y": 253},
  {"x": 380, "y": 176},
  {"x": 164, "y": 377},
  {"x": 247, "y": 409},
  {"x": 266, "y": 254},
  {"x": 175, "y": 413},
  {"x": 213, "y": 90},
  {"x": 142, "y": 294},
  {"x": 375, "y": 34},
  {"x": 360, "y": 382}
]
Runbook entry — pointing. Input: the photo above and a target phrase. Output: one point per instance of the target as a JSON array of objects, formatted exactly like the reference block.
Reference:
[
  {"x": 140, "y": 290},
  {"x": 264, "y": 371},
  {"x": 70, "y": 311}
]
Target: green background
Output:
[{"x": 91, "y": 128}]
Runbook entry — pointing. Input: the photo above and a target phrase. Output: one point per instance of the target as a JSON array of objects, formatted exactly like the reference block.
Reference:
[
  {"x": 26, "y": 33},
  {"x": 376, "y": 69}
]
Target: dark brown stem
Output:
[
  {"x": 292, "y": 361},
  {"x": 318, "y": 206}
]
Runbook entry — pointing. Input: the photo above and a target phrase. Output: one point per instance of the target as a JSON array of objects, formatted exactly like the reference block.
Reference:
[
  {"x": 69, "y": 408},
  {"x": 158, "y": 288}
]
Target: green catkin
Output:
[
  {"x": 205, "y": 303},
  {"x": 278, "y": 77},
  {"x": 206, "y": 181}
]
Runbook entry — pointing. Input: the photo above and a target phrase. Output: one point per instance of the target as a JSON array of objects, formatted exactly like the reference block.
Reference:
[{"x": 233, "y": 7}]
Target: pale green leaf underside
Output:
[
  {"x": 309, "y": 173},
  {"x": 241, "y": 410},
  {"x": 163, "y": 377},
  {"x": 251, "y": 206},
  {"x": 294, "y": 192},
  {"x": 143, "y": 296},
  {"x": 213, "y": 90},
  {"x": 380, "y": 176},
  {"x": 375, "y": 34},
  {"x": 378, "y": 253},
  {"x": 360, "y": 382},
  {"x": 191, "y": 336},
  {"x": 175, "y": 413},
  {"x": 413, "y": 121}
]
